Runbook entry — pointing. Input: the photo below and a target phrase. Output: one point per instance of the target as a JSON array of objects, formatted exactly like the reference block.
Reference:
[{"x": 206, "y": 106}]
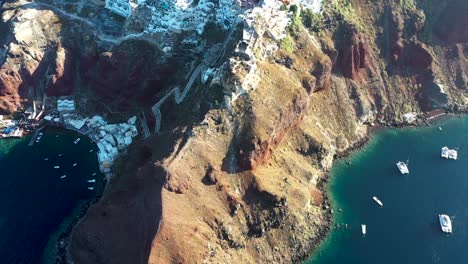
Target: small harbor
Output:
[{"x": 38, "y": 198}]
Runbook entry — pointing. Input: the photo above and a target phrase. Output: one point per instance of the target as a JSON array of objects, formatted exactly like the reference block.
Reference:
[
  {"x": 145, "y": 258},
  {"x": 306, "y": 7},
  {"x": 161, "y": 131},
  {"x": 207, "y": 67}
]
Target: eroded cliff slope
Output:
[{"x": 237, "y": 173}]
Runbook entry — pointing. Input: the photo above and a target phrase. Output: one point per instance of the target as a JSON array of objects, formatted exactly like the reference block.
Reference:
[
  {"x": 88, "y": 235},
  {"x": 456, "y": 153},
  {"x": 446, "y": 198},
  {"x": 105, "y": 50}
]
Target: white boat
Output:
[
  {"x": 46, "y": 158},
  {"x": 74, "y": 164},
  {"x": 90, "y": 150},
  {"x": 60, "y": 155},
  {"x": 91, "y": 188},
  {"x": 76, "y": 141},
  {"x": 363, "y": 228},
  {"x": 63, "y": 176},
  {"x": 377, "y": 201},
  {"x": 41, "y": 133},
  {"x": 402, "y": 167},
  {"x": 449, "y": 153},
  {"x": 56, "y": 167},
  {"x": 445, "y": 223},
  {"x": 94, "y": 174},
  {"x": 93, "y": 180}
]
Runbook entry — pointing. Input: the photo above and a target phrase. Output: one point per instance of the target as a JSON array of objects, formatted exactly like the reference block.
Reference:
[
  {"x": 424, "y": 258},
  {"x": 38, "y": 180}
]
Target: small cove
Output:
[
  {"x": 406, "y": 229},
  {"x": 37, "y": 203}
]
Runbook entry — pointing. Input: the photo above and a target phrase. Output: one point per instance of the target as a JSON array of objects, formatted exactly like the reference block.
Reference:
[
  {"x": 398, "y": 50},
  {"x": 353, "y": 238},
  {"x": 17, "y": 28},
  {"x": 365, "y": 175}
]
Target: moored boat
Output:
[
  {"x": 377, "y": 201},
  {"x": 74, "y": 164},
  {"x": 402, "y": 167},
  {"x": 93, "y": 180},
  {"x": 91, "y": 188},
  {"x": 445, "y": 223},
  {"x": 449, "y": 153},
  {"x": 63, "y": 176},
  {"x": 56, "y": 167},
  {"x": 76, "y": 141},
  {"x": 363, "y": 229}
]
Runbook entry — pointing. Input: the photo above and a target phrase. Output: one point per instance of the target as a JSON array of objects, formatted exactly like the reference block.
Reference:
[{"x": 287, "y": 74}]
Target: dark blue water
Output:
[
  {"x": 406, "y": 229},
  {"x": 33, "y": 198}
]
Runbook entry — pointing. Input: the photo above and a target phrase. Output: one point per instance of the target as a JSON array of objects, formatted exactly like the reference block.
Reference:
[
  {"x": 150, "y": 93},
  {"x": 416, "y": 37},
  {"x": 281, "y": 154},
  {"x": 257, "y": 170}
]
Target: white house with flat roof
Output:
[{"x": 120, "y": 7}]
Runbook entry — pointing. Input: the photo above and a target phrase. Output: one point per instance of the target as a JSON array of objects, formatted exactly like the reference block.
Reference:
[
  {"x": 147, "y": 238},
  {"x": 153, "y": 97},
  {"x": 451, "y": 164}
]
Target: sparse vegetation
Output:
[
  {"x": 296, "y": 23},
  {"x": 408, "y": 4},
  {"x": 311, "y": 20},
  {"x": 288, "y": 43}
]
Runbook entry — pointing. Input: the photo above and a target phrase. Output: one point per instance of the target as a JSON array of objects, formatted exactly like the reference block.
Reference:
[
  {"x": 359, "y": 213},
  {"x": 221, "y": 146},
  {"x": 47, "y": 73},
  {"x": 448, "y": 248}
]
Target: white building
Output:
[
  {"x": 64, "y": 105},
  {"x": 409, "y": 117},
  {"x": 122, "y": 7}
]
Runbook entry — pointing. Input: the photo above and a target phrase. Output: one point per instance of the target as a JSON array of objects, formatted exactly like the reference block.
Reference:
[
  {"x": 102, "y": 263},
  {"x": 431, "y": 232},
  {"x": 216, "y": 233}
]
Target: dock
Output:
[{"x": 34, "y": 136}]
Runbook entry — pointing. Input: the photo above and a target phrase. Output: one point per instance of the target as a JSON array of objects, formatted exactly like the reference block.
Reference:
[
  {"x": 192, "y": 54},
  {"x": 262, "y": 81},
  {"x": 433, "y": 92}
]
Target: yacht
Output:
[
  {"x": 90, "y": 150},
  {"x": 377, "y": 201},
  {"x": 74, "y": 164},
  {"x": 93, "y": 180},
  {"x": 76, "y": 141},
  {"x": 56, "y": 167},
  {"x": 91, "y": 188},
  {"x": 363, "y": 228},
  {"x": 403, "y": 167},
  {"x": 449, "y": 153},
  {"x": 63, "y": 176},
  {"x": 445, "y": 223},
  {"x": 94, "y": 174}
]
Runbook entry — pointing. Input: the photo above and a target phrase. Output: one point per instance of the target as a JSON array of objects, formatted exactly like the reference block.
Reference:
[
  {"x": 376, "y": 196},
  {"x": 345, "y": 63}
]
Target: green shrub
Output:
[{"x": 288, "y": 43}]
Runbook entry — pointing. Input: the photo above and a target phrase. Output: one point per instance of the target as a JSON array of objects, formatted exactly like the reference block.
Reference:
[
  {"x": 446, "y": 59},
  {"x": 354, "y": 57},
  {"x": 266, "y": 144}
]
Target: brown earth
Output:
[{"x": 245, "y": 183}]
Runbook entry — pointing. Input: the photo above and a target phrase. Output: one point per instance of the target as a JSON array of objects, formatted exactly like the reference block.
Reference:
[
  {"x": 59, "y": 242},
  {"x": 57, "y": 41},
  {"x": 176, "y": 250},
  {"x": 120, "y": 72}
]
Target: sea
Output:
[
  {"x": 36, "y": 204},
  {"x": 406, "y": 228}
]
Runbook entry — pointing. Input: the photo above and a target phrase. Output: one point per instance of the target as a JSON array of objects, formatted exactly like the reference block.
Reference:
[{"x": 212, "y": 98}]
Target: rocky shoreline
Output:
[
  {"x": 250, "y": 173},
  {"x": 323, "y": 184}
]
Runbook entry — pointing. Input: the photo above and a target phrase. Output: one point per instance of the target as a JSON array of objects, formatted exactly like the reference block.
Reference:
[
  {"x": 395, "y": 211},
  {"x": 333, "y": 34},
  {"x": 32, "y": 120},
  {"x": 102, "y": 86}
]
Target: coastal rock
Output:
[
  {"x": 26, "y": 52},
  {"x": 38, "y": 54},
  {"x": 234, "y": 180}
]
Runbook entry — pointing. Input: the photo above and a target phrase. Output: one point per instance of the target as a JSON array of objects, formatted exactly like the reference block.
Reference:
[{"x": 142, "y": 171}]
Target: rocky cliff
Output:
[
  {"x": 242, "y": 181},
  {"x": 244, "y": 185}
]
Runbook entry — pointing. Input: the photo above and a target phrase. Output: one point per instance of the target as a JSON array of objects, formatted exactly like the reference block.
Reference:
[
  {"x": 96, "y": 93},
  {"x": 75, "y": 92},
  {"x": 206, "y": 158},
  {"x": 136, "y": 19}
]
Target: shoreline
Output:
[
  {"x": 322, "y": 185},
  {"x": 63, "y": 234},
  {"x": 58, "y": 240}
]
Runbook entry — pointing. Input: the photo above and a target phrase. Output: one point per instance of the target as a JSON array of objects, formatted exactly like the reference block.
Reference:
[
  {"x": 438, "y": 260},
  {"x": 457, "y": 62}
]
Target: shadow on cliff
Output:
[{"x": 120, "y": 228}]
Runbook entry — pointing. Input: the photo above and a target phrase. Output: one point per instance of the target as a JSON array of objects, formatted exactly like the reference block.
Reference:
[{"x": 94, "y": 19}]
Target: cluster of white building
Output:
[
  {"x": 176, "y": 16},
  {"x": 65, "y": 105},
  {"x": 111, "y": 139}
]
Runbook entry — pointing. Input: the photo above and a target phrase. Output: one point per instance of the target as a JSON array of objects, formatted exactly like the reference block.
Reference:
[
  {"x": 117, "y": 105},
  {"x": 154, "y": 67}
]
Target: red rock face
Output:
[
  {"x": 9, "y": 83},
  {"x": 417, "y": 57},
  {"x": 130, "y": 73},
  {"x": 353, "y": 58},
  {"x": 61, "y": 82}
]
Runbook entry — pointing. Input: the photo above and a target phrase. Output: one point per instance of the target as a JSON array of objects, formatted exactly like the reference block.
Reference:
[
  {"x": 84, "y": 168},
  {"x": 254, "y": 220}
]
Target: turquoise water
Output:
[
  {"x": 406, "y": 229},
  {"x": 34, "y": 201}
]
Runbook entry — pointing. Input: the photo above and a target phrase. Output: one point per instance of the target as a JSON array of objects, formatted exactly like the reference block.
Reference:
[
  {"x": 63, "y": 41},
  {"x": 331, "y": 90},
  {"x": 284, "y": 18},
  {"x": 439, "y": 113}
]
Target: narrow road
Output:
[
  {"x": 102, "y": 36},
  {"x": 178, "y": 95}
]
